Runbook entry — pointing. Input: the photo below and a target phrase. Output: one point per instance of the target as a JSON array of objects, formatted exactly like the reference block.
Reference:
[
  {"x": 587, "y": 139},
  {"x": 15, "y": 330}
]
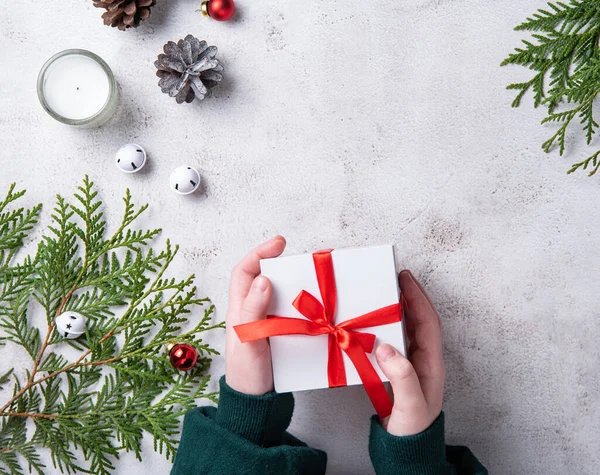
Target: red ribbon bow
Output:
[{"x": 321, "y": 321}]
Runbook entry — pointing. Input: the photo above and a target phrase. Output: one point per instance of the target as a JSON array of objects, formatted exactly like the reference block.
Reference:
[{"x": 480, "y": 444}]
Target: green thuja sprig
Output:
[
  {"x": 88, "y": 409},
  {"x": 565, "y": 58}
]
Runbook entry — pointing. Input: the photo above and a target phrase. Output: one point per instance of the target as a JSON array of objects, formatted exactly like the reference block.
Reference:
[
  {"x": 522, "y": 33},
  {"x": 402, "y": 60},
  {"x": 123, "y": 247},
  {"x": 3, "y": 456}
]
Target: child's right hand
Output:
[{"x": 417, "y": 382}]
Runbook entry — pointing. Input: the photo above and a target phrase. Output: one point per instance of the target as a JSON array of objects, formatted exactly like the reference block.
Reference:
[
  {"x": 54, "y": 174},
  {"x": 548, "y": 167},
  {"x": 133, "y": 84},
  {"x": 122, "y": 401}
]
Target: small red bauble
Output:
[
  {"x": 221, "y": 10},
  {"x": 183, "y": 356}
]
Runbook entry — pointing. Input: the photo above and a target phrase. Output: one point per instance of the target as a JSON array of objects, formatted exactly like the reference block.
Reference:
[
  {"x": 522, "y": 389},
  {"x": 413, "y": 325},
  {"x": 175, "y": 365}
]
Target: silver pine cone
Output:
[{"x": 188, "y": 69}]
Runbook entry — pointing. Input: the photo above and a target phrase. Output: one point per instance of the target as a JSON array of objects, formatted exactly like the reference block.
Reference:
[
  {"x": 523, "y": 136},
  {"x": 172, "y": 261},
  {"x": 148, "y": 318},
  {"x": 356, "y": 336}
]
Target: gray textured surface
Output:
[{"x": 338, "y": 126}]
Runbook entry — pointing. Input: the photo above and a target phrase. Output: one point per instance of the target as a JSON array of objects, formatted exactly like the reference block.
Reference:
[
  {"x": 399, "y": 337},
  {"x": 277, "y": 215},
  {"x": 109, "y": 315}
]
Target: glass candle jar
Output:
[{"x": 77, "y": 87}]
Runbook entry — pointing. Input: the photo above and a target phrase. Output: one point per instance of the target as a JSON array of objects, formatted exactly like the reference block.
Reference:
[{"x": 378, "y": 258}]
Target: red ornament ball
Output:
[
  {"x": 183, "y": 356},
  {"x": 220, "y": 10}
]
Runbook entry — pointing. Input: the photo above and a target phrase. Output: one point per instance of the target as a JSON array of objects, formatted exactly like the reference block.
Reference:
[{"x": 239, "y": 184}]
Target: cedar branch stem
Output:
[
  {"x": 31, "y": 415},
  {"x": 38, "y": 359}
]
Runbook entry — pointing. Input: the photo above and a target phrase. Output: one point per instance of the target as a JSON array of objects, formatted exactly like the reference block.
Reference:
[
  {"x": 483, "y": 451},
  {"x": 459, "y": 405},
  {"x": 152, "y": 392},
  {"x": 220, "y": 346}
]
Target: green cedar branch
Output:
[
  {"x": 564, "y": 55},
  {"x": 122, "y": 384}
]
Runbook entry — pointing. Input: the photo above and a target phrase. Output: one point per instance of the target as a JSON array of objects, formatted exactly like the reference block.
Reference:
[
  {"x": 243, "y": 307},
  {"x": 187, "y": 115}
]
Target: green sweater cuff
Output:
[
  {"x": 423, "y": 453},
  {"x": 261, "y": 420}
]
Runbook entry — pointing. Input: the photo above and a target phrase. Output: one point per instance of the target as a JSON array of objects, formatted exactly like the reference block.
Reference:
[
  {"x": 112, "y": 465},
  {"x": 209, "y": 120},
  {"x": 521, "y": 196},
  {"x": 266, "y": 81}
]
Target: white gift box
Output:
[{"x": 366, "y": 280}]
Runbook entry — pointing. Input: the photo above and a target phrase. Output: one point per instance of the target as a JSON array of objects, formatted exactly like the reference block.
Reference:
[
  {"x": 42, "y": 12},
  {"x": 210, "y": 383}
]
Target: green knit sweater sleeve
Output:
[
  {"x": 244, "y": 435},
  {"x": 422, "y": 454}
]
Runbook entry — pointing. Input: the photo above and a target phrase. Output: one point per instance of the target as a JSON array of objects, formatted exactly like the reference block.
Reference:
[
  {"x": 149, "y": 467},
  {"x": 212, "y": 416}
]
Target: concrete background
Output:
[{"x": 347, "y": 123}]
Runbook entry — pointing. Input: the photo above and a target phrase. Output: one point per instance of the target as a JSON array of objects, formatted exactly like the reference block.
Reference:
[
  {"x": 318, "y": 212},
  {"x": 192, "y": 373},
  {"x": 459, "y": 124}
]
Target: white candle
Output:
[{"x": 78, "y": 88}]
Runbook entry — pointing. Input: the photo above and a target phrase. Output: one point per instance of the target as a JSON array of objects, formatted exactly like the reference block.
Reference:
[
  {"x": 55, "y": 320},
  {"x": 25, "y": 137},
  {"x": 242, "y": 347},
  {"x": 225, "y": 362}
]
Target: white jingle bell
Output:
[
  {"x": 185, "y": 180},
  {"x": 70, "y": 324},
  {"x": 131, "y": 158}
]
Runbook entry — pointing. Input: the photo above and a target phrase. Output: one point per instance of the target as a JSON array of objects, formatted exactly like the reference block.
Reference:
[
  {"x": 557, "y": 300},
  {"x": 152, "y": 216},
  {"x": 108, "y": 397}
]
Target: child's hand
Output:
[
  {"x": 418, "y": 387},
  {"x": 248, "y": 365}
]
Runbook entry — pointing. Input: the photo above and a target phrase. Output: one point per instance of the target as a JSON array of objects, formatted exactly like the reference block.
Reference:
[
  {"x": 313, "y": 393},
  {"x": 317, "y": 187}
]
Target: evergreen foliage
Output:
[
  {"x": 565, "y": 58},
  {"x": 89, "y": 409}
]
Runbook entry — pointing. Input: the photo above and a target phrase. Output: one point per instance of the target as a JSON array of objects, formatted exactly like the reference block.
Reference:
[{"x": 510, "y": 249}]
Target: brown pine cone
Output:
[{"x": 125, "y": 13}]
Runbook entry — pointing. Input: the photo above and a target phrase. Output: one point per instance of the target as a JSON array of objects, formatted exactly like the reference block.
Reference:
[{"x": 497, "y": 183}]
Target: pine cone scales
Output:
[
  {"x": 125, "y": 13},
  {"x": 188, "y": 69}
]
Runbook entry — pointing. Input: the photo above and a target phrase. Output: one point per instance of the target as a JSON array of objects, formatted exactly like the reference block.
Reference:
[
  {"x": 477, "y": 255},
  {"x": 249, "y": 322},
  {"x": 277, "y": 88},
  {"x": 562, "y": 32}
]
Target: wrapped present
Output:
[{"x": 329, "y": 311}]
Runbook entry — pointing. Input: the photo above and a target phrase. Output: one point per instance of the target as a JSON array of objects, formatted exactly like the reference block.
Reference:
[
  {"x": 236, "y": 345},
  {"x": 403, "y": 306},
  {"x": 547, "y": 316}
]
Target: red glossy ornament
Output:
[
  {"x": 220, "y": 10},
  {"x": 183, "y": 356}
]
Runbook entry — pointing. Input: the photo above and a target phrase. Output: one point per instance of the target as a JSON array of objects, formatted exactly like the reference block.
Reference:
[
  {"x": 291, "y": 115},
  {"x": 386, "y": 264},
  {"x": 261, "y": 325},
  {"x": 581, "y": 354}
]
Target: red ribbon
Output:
[{"x": 321, "y": 321}]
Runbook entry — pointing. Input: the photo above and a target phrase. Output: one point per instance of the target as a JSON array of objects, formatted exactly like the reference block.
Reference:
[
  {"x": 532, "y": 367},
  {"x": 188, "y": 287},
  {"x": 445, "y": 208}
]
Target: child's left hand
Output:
[{"x": 248, "y": 365}]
